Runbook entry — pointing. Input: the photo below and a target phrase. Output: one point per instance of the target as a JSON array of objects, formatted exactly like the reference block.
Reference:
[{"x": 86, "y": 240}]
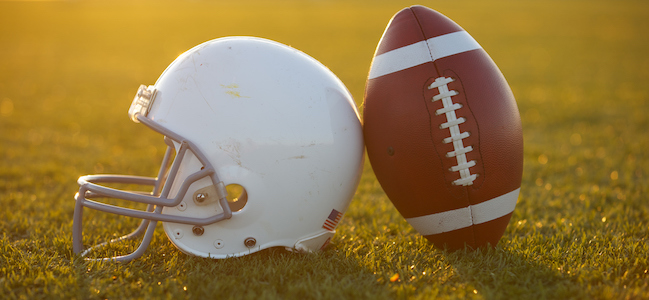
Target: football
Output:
[{"x": 442, "y": 131}]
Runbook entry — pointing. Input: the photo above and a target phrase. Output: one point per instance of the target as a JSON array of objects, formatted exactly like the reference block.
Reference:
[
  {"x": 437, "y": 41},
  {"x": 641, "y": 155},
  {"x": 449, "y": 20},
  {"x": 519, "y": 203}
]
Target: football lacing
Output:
[{"x": 452, "y": 123}]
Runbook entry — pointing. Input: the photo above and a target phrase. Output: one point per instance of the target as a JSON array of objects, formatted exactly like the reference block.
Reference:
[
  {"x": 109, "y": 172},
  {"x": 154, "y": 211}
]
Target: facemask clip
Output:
[{"x": 142, "y": 102}]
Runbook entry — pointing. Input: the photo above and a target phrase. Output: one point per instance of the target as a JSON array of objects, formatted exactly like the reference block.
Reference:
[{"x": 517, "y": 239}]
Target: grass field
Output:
[{"x": 579, "y": 71}]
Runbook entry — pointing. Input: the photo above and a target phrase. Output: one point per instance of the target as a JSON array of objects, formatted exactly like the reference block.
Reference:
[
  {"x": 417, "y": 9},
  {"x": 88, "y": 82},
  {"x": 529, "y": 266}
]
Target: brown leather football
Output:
[{"x": 442, "y": 131}]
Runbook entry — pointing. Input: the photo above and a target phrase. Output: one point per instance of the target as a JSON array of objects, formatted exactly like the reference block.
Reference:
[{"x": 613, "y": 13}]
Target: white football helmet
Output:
[{"x": 248, "y": 113}]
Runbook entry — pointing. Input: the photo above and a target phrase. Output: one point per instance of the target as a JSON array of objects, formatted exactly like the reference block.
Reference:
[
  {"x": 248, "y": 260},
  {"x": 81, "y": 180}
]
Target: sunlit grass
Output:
[{"x": 579, "y": 70}]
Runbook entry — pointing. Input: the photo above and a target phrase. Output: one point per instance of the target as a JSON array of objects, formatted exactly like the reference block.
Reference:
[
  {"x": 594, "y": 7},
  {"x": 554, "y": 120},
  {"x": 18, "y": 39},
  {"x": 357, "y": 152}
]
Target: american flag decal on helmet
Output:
[{"x": 331, "y": 221}]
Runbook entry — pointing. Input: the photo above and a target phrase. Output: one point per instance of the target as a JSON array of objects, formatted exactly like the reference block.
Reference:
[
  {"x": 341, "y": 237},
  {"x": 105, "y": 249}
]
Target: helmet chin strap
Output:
[{"x": 314, "y": 243}]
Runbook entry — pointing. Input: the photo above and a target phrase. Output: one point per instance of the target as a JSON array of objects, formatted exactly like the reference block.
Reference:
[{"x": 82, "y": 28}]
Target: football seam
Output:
[
  {"x": 439, "y": 75},
  {"x": 430, "y": 117},
  {"x": 473, "y": 235},
  {"x": 432, "y": 58}
]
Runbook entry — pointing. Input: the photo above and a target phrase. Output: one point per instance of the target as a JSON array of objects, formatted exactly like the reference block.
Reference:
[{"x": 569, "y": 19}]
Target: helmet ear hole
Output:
[{"x": 237, "y": 196}]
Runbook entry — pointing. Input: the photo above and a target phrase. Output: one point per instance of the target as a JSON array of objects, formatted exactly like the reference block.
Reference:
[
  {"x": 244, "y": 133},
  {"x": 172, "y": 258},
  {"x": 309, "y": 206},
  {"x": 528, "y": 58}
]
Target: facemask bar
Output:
[{"x": 156, "y": 201}]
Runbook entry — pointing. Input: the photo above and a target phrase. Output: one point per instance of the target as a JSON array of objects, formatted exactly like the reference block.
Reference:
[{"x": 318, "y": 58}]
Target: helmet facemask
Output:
[{"x": 161, "y": 187}]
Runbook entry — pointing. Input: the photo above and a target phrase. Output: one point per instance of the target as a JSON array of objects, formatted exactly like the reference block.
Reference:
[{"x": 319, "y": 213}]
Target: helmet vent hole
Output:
[{"x": 237, "y": 196}]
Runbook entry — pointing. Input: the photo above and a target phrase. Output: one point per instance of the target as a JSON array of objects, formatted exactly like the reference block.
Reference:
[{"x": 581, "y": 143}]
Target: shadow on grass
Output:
[
  {"x": 409, "y": 268},
  {"x": 413, "y": 268},
  {"x": 499, "y": 273}
]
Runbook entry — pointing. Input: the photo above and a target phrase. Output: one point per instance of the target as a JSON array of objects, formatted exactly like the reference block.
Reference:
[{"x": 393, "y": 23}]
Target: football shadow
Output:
[
  {"x": 415, "y": 268},
  {"x": 502, "y": 273}
]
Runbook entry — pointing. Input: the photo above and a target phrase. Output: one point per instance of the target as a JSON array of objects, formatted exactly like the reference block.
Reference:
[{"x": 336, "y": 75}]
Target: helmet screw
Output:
[
  {"x": 200, "y": 197},
  {"x": 198, "y": 230},
  {"x": 218, "y": 244},
  {"x": 250, "y": 242}
]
